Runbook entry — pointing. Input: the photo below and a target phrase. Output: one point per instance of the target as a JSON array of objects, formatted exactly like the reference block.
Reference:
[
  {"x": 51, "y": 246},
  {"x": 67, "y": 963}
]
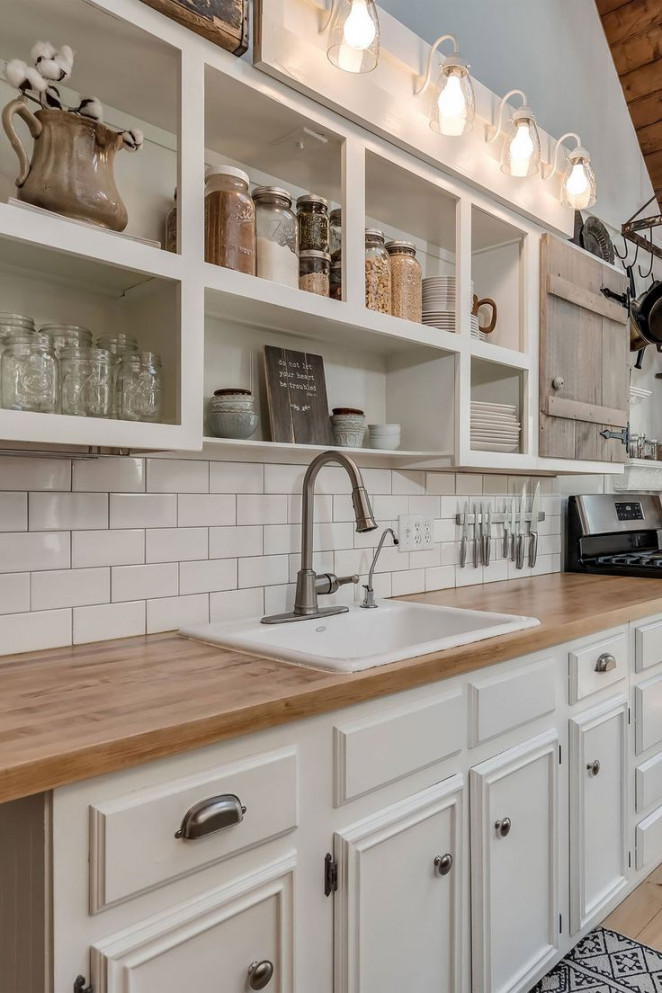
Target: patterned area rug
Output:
[{"x": 606, "y": 962}]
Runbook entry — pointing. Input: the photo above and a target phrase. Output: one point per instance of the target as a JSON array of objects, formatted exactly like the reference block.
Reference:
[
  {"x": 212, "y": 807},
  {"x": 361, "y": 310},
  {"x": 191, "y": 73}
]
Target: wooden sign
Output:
[
  {"x": 225, "y": 22},
  {"x": 296, "y": 391}
]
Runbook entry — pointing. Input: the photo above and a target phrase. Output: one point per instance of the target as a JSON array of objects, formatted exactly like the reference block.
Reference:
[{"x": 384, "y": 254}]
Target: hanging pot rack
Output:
[{"x": 630, "y": 231}]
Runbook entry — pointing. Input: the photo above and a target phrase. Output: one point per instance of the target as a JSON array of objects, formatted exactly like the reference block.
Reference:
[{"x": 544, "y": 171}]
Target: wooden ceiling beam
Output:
[
  {"x": 606, "y": 6},
  {"x": 631, "y": 18},
  {"x": 638, "y": 50},
  {"x": 643, "y": 81},
  {"x": 647, "y": 110},
  {"x": 650, "y": 138}
]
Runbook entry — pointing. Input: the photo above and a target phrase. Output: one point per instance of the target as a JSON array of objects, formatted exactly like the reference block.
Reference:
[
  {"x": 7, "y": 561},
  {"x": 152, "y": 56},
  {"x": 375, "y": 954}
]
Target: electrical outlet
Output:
[{"x": 416, "y": 533}]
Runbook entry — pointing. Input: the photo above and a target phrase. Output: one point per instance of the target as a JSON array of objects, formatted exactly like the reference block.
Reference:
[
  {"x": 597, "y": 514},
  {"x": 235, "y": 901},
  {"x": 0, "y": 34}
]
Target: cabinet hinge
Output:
[
  {"x": 80, "y": 985},
  {"x": 560, "y": 923},
  {"x": 330, "y": 874}
]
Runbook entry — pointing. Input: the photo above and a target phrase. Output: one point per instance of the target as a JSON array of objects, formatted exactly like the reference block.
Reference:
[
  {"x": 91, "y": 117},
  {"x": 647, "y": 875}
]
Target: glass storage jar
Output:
[
  {"x": 335, "y": 284},
  {"x": 139, "y": 387},
  {"x": 377, "y": 272},
  {"x": 313, "y": 223},
  {"x": 170, "y": 227},
  {"x": 650, "y": 448},
  {"x": 277, "y": 238},
  {"x": 118, "y": 344},
  {"x": 315, "y": 272},
  {"x": 29, "y": 373},
  {"x": 229, "y": 220},
  {"x": 406, "y": 281},
  {"x": 335, "y": 235},
  {"x": 86, "y": 379},
  {"x": 13, "y": 324},
  {"x": 67, "y": 336}
]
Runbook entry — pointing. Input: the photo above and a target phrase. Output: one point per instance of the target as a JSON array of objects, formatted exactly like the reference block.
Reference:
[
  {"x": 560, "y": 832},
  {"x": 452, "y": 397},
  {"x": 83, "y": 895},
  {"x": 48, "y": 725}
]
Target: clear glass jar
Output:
[
  {"x": 13, "y": 324},
  {"x": 335, "y": 285},
  {"x": 229, "y": 220},
  {"x": 170, "y": 227},
  {"x": 117, "y": 344},
  {"x": 315, "y": 272},
  {"x": 406, "y": 281},
  {"x": 86, "y": 376},
  {"x": 313, "y": 223},
  {"x": 29, "y": 373},
  {"x": 67, "y": 336},
  {"x": 335, "y": 235},
  {"x": 277, "y": 237},
  {"x": 650, "y": 448},
  {"x": 139, "y": 387},
  {"x": 377, "y": 272}
]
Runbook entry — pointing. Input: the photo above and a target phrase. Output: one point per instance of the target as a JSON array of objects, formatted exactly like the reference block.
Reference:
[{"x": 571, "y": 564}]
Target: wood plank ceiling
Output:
[{"x": 634, "y": 32}]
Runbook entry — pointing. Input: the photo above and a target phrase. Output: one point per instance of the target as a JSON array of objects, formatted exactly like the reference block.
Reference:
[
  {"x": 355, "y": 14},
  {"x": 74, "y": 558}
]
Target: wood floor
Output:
[{"x": 640, "y": 914}]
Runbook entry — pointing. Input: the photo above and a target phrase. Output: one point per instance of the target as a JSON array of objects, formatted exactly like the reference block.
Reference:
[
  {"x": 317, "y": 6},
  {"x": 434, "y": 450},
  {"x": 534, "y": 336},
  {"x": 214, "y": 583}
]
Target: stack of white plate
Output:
[
  {"x": 475, "y": 330},
  {"x": 439, "y": 302},
  {"x": 495, "y": 427}
]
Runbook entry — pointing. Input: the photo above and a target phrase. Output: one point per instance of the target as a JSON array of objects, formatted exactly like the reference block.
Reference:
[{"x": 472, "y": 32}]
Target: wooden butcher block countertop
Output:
[{"x": 73, "y": 713}]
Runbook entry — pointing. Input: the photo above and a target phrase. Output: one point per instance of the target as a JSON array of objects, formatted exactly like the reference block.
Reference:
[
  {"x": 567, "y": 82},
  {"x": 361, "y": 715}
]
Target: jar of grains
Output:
[
  {"x": 377, "y": 272},
  {"x": 313, "y": 221},
  {"x": 86, "y": 379},
  {"x": 315, "y": 272},
  {"x": 335, "y": 285},
  {"x": 29, "y": 373},
  {"x": 277, "y": 238},
  {"x": 406, "y": 281},
  {"x": 229, "y": 220},
  {"x": 139, "y": 387},
  {"x": 335, "y": 235},
  {"x": 170, "y": 228}
]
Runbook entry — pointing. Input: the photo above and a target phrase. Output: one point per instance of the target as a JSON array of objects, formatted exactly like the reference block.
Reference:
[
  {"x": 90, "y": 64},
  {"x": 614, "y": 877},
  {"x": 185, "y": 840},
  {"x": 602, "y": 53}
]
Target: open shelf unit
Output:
[{"x": 197, "y": 106}]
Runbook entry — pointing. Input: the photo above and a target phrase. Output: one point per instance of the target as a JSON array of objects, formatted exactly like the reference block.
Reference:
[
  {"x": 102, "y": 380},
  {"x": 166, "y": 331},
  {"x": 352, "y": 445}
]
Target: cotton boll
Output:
[
  {"x": 16, "y": 72},
  {"x": 49, "y": 69},
  {"x": 65, "y": 60},
  {"x": 90, "y": 107},
  {"x": 133, "y": 140},
  {"x": 35, "y": 80},
  {"x": 50, "y": 98},
  {"x": 42, "y": 50}
]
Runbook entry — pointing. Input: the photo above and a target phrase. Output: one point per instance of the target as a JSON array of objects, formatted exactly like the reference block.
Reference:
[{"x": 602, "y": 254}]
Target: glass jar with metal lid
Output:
[
  {"x": 29, "y": 373},
  {"x": 229, "y": 220},
  {"x": 13, "y": 324},
  {"x": 335, "y": 283},
  {"x": 86, "y": 380},
  {"x": 315, "y": 272},
  {"x": 406, "y": 281},
  {"x": 377, "y": 272},
  {"x": 313, "y": 223},
  {"x": 118, "y": 344},
  {"x": 139, "y": 387},
  {"x": 335, "y": 235},
  {"x": 277, "y": 237},
  {"x": 67, "y": 336}
]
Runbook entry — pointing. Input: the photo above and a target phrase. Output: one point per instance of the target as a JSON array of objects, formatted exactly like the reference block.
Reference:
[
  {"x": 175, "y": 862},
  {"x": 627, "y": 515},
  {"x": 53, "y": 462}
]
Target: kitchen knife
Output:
[
  {"x": 477, "y": 538},
  {"x": 521, "y": 530},
  {"x": 513, "y": 530},
  {"x": 465, "y": 536},
  {"x": 506, "y": 533},
  {"x": 487, "y": 535},
  {"x": 533, "y": 530}
]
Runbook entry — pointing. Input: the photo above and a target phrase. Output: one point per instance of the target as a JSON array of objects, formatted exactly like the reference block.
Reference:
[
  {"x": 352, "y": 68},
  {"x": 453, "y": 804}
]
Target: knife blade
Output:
[
  {"x": 513, "y": 530},
  {"x": 487, "y": 534},
  {"x": 477, "y": 538},
  {"x": 506, "y": 533},
  {"x": 521, "y": 529},
  {"x": 465, "y": 536},
  {"x": 533, "y": 529}
]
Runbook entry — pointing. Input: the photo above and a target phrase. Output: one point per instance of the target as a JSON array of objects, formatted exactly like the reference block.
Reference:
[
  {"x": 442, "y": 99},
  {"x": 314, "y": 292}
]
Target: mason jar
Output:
[
  {"x": 406, "y": 281},
  {"x": 335, "y": 235},
  {"x": 67, "y": 336},
  {"x": 170, "y": 227},
  {"x": 118, "y": 344},
  {"x": 29, "y": 373},
  {"x": 13, "y": 324},
  {"x": 335, "y": 283},
  {"x": 86, "y": 378},
  {"x": 277, "y": 237},
  {"x": 313, "y": 223},
  {"x": 377, "y": 272},
  {"x": 229, "y": 220},
  {"x": 139, "y": 387},
  {"x": 315, "y": 272}
]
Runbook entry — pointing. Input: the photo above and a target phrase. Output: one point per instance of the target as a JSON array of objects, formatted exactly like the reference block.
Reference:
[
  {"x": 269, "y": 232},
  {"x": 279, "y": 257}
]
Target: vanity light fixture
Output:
[
  {"x": 579, "y": 185},
  {"x": 453, "y": 103},
  {"x": 520, "y": 155},
  {"x": 353, "y": 35}
]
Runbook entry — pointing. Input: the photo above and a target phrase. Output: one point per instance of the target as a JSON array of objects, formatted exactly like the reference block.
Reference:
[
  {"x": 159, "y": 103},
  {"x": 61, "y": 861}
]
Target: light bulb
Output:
[
  {"x": 521, "y": 150},
  {"x": 359, "y": 32},
  {"x": 452, "y": 107},
  {"x": 577, "y": 184}
]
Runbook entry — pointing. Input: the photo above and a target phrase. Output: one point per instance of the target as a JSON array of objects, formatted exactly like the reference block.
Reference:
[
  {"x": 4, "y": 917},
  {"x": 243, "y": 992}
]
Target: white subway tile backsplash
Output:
[
  {"x": 14, "y": 592},
  {"x": 109, "y": 475},
  {"x": 323, "y": 508},
  {"x": 70, "y": 588},
  {"x": 439, "y": 483},
  {"x": 67, "y": 511},
  {"x": 409, "y": 581},
  {"x": 98, "y": 548},
  {"x": 176, "y": 544},
  {"x": 107, "y": 621},
  {"x": 142, "y": 582},
  {"x": 429, "y": 506},
  {"x": 206, "y": 510},
  {"x": 262, "y": 509},
  {"x": 442, "y": 578},
  {"x": 408, "y": 483},
  {"x": 267, "y": 570},
  {"x": 20, "y": 473},
  {"x": 173, "y": 612},
  {"x": 13, "y": 511},
  {"x": 236, "y": 604},
  {"x": 34, "y": 551},
  {"x": 177, "y": 476},
  {"x": 468, "y": 483},
  {"x": 279, "y": 599},
  {"x": 389, "y": 508},
  {"x": 236, "y": 477},
  {"x": 234, "y": 542},
  {"x": 143, "y": 510},
  {"x": 33, "y": 631},
  {"x": 210, "y": 576}
]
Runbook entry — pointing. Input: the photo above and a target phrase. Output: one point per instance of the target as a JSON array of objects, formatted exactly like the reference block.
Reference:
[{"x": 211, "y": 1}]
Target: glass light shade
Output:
[
  {"x": 579, "y": 186},
  {"x": 354, "y": 36},
  {"x": 520, "y": 155},
  {"x": 453, "y": 102}
]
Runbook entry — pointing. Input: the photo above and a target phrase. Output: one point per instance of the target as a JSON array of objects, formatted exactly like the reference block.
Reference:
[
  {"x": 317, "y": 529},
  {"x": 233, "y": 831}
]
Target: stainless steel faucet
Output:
[
  {"x": 369, "y": 595},
  {"x": 309, "y": 584}
]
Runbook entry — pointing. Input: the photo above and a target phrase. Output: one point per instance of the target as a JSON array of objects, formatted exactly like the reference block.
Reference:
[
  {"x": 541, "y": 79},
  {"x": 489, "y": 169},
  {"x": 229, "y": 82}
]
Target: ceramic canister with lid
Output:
[
  {"x": 229, "y": 219},
  {"x": 348, "y": 427},
  {"x": 232, "y": 414}
]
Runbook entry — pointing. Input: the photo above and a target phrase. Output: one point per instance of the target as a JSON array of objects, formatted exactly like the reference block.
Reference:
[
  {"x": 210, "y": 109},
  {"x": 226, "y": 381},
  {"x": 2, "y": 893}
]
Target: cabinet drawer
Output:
[
  {"x": 387, "y": 746},
  {"x": 584, "y": 662},
  {"x": 511, "y": 699},
  {"x": 132, "y": 838},
  {"x": 648, "y": 714},
  {"x": 648, "y": 840},
  {"x": 648, "y": 783},
  {"x": 647, "y": 645}
]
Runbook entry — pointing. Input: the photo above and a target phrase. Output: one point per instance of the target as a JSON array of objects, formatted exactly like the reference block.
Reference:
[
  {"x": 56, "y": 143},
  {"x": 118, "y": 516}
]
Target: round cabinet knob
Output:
[
  {"x": 443, "y": 864},
  {"x": 605, "y": 663},
  {"x": 260, "y": 974},
  {"x": 558, "y": 382},
  {"x": 503, "y": 827},
  {"x": 593, "y": 768}
]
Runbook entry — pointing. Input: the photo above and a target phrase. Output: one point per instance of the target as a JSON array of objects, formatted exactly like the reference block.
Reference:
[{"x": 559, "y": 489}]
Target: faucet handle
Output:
[
  {"x": 346, "y": 580},
  {"x": 328, "y": 582}
]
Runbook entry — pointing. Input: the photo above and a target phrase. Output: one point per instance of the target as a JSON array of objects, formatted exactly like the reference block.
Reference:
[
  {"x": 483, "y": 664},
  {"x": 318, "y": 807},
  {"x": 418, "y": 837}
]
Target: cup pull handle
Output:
[
  {"x": 605, "y": 663},
  {"x": 20, "y": 107},
  {"x": 212, "y": 814}
]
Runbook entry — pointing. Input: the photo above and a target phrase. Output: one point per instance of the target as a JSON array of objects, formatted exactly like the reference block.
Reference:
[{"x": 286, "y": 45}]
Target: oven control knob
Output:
[{"x": 605, "y": 663}]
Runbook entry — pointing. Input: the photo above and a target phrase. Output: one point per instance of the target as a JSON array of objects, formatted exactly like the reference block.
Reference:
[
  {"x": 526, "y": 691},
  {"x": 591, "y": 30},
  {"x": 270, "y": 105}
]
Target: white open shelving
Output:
[{"x": 197, "y": 105}]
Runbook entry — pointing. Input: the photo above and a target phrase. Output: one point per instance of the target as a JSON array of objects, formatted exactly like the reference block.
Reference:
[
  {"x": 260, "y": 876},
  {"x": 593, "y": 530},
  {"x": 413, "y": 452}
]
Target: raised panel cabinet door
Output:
[
  {"x": 514, "y": 865},
  {"x": 236, "y": 938},
  {"x": 598, "y": 809},
  {"x": 584, "y": 355},
  {"x": 397, "y": 910}
]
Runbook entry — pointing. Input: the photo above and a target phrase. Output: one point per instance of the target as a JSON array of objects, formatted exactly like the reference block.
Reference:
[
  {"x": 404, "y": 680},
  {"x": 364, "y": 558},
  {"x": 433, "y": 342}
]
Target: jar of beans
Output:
[
  {"x": 313, "y": 222},
  {"x": 406, "y": 281},
  {"x": 335, "y": 236},
  {"x": 315, "y": 272},
  {"x": 229, "y": 220},
  {"x": 377, "y": 272}
]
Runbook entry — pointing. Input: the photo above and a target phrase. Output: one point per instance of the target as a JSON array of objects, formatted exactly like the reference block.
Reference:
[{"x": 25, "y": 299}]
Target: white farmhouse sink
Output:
[{"x": 361, "y": 639}]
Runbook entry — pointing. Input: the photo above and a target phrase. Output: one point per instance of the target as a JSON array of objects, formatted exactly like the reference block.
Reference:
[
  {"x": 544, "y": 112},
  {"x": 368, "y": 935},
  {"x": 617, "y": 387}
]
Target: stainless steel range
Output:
[{"x": 615, "y": 534}]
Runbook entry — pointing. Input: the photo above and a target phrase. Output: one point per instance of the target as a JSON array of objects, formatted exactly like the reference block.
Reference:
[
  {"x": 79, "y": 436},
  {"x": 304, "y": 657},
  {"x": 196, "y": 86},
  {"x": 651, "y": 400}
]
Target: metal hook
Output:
[
  {"x": 650, "y": 270},
  {"x": 625, "y": 254}
]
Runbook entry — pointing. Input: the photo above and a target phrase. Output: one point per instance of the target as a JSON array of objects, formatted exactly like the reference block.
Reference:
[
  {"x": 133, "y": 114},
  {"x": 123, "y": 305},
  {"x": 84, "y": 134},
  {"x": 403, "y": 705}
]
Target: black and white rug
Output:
[{"x": 606, "y": 962}]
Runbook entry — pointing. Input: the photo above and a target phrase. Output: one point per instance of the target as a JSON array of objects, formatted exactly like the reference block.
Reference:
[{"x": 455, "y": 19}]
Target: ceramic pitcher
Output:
[{"x": 71, "y": 171}]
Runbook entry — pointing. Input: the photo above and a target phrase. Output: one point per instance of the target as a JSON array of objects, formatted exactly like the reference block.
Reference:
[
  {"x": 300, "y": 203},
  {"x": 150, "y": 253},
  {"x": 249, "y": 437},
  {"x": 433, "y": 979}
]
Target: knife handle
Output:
[
  {"x": 533, "y": 549},
  {"x": 487, "y": 550},
  {"x": 463, "y": 552},
  {"x": 506, "y": 543},
  {"x": 513, "y": 547},
  {"x": 520, "y": 551},
  {"x": 476, "y": 550}
]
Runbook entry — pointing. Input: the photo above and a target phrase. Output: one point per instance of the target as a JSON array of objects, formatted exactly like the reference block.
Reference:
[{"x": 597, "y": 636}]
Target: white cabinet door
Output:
[
  {"x": 598, "y": 808},
  {"x": 514, "y": 865},
  {"x": 398, "y": 905},
  {"x": 236, "y": 938}
]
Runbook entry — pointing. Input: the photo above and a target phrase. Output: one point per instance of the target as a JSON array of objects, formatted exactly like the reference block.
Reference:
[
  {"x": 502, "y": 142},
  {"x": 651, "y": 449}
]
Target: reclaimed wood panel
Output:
[{"x": 225, "y": 22}]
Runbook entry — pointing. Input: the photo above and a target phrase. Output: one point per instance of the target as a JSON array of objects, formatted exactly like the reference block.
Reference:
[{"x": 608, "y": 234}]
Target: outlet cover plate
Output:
[{"x": 416, "y": 533}]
